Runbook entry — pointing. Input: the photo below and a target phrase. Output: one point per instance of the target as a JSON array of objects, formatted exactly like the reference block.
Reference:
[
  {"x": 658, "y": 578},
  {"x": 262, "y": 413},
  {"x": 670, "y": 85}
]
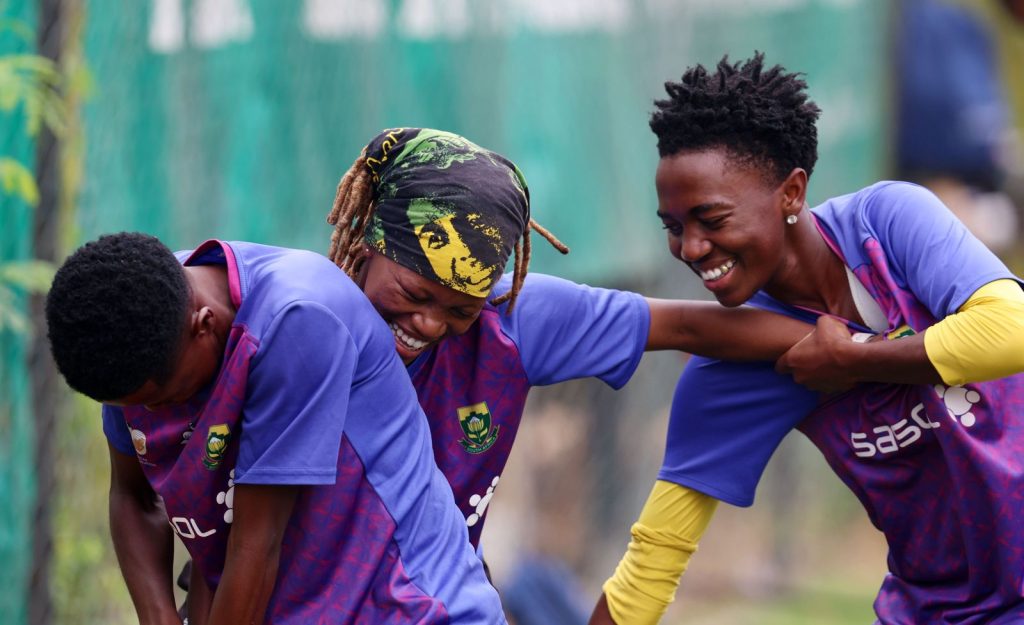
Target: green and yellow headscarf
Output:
[{"x": 445, "y": 207}]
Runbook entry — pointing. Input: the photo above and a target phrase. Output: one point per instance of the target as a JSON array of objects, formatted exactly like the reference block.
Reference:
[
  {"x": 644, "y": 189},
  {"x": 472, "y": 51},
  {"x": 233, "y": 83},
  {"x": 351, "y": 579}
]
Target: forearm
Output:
[
  {"x": 663, "y": 539},
  {"x": 712, "y": 330},
  {"x": 983, "y": 340},
  {"x": 200, "y": 598},
  {"x": 253, "y": 553},
  {"x": 896, "y": 361},
  {"x": 143, "y": 542},
  {"x": 246, "y": 584}
]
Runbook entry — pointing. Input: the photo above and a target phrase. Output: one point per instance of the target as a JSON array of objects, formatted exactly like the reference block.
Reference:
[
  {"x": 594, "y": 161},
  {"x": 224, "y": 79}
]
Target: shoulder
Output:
[
  {"x": 277, "y": 277},
  {"x": 542, "y": 292},
  {"x": 876, "y": 208},
  {"x": 282, "y": 285}
]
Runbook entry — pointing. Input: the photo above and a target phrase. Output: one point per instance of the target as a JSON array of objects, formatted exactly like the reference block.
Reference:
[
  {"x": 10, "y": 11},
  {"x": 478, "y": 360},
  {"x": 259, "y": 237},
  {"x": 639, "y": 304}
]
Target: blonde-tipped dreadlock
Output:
[
  {"x": 521, "y": 262},
  {"x": 353, "y": 209}
]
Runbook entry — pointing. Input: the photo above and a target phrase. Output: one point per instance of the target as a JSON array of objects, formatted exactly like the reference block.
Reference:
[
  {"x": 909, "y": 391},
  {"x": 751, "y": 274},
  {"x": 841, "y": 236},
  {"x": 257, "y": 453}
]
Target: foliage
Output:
[
  {"x": 32, "y": 86},
  {"x": 33, "y": 276}
]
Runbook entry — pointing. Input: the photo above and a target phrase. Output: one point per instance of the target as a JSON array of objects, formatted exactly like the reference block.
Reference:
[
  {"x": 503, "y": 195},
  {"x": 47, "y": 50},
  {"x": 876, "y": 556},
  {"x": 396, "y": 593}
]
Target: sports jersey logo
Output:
[
  {"x": 886, "y": 439},
  {"x": 217, "y": 438},
  {"x": 900, "y": 332},
  {"x": 959, "y": 400},
  {"x": 476, "y": 424},
  {"x": 480, "y": 503},
  {"x": 139, "y": 442}
]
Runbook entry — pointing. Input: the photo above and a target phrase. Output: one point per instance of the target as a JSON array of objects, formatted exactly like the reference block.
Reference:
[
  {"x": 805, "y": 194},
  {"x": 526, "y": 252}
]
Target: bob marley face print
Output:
[{"x": 446, "y": 208}]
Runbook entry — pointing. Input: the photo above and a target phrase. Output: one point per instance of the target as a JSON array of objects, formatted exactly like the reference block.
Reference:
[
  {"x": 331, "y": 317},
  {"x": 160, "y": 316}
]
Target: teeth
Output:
[
  {"x": 407, "y": 340},
  {"x": 717, "y": 272}
]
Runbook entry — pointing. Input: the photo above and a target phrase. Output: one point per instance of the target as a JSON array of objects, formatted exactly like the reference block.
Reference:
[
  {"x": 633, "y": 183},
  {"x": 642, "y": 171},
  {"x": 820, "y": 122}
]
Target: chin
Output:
[{"x": 732, "y": 300}]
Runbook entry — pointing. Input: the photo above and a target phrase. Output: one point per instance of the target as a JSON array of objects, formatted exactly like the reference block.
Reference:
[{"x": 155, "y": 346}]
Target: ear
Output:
[
  {"x": 794, "y": 191},
  {"x": 359, "y": 264},
  {"x": 202, "y": 322}
]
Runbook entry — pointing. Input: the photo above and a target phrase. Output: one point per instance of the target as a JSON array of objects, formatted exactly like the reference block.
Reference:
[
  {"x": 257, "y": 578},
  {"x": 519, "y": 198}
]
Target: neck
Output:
[
  {"x": 210, "y": 288},
  {"x": 812, "y": 275}
]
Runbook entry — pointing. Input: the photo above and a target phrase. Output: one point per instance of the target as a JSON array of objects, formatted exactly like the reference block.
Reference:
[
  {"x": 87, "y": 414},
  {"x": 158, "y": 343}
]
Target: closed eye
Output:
[
  {"x": 673, "y": 228},
  {"x": 416, "y": 299}
]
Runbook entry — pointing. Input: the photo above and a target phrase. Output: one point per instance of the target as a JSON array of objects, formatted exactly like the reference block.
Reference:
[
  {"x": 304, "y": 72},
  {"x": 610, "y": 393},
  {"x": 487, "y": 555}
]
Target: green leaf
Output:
[
  {"x": 11, "y": 318},
  {"x": 34, "y": 276},
  {"x": 36, "y": 83},
  {"x": 16, "y": 179}
]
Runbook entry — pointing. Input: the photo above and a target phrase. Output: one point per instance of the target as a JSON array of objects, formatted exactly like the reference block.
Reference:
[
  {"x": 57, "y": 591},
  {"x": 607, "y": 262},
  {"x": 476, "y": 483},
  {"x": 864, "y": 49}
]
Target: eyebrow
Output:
[{"x": 698, "y": 210}]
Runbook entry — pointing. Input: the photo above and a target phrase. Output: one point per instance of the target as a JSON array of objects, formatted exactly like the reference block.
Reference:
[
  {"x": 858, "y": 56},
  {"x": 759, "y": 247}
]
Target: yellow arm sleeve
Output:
[
  {"x": 663, "y": 539},
  {"x": 984, "y": 340}
]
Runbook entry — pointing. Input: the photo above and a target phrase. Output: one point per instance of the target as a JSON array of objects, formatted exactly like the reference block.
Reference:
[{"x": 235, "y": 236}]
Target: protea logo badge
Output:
[
  {"x": 476, "y": 424},
  {"x": 217, "y": 438}
]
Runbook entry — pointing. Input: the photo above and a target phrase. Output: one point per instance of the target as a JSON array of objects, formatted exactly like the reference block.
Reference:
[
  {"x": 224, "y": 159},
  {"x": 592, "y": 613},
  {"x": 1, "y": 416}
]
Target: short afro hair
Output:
[
  {"x": 116, "y": 314},
  {"x": 759, "y": 116}
]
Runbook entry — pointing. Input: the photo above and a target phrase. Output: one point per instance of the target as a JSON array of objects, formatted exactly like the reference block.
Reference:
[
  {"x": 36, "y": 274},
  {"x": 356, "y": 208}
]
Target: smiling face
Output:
[
  {"x": 725, "y": 220},
  {"x": 419, "y": 311}
]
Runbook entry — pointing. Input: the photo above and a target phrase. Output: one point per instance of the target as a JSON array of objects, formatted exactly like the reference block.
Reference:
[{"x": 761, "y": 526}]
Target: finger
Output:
[{"x": 782, "y": 364}]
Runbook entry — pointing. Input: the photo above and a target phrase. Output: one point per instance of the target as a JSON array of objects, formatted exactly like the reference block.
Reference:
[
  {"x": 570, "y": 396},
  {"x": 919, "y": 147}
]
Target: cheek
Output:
[{"x": 675, "y": 246}]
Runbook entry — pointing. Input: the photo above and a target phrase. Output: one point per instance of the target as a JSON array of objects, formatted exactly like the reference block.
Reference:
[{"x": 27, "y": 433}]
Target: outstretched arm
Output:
[
  {"x": 254, "y": 550},
  {"x": 663, "y": 539},
  {"x": 983, "y": 340},
  {"x": 712, "y": 330},
  {"x": 143, "y": 541}
]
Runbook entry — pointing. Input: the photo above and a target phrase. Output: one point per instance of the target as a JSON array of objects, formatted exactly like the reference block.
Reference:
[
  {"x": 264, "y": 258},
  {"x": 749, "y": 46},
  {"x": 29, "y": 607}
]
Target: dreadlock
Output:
[
  {"x": 353, "y": 209},
  {"x": 758, "y": 115}
]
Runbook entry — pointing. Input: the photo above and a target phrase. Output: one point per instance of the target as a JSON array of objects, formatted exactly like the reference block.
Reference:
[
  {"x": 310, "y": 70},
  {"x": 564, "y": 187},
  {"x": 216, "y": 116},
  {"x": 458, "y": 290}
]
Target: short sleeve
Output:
[
  {"x": 566, "y": 331},
  {"x": 935, "y": 255},
  {"x": 727, "y": 418},
  {"x": 297, "y": 399},
  {"x": 116, "y": 430}
]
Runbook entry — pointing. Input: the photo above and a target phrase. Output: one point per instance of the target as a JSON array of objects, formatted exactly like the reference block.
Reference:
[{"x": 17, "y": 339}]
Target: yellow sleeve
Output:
[
  {"x": 663, "y": 539},
  {"x": 984, "y": 340}
]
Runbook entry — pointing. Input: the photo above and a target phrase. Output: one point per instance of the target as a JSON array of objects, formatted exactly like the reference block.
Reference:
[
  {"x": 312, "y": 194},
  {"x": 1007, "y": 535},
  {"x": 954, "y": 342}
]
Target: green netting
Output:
[
  {"x": 235, "y": 118},
  {"x": 17, "y": 485}
]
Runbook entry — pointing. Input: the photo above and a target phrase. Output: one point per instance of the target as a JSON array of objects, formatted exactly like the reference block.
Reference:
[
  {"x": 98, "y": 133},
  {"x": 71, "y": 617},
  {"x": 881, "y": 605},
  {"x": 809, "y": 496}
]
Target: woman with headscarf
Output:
[{"x": 425, "y": 223}]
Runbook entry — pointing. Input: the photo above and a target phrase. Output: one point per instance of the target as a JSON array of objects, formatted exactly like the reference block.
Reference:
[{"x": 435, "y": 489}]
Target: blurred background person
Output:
[{"x": 954, "y": 124}]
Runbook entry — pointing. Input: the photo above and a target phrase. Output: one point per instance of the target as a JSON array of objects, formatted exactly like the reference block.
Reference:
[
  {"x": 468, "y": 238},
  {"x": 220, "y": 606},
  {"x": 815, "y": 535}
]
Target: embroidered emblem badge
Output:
[
  {"x": 139, "y": 442},
  {"x": 476, "y": 424},
  {"x": 217, "y": 438},
  {"x": 900, "y": 332}
]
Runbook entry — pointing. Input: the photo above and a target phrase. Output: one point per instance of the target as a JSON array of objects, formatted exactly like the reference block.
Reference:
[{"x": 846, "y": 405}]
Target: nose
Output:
[
  {"x": 430, "y": 324},
  {"x": 695, "y": 246}
]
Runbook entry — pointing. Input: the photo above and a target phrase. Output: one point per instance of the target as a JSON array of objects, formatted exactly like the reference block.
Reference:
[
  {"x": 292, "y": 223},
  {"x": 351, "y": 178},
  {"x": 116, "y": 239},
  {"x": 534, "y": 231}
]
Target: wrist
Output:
[{"x": 851, "y": 359}]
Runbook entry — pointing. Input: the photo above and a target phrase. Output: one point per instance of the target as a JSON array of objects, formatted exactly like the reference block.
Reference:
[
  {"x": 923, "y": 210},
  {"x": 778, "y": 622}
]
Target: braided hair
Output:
[
  {"x": 759, "y": 115},
  {"x": 354, "y": 207}
]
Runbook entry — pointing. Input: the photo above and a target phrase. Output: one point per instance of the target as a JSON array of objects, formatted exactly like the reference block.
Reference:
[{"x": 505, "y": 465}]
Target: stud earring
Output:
[{"x": 791, "y": 219}]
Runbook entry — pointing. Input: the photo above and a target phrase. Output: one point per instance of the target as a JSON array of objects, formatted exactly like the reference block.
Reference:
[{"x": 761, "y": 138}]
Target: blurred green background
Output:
[{"x": 194, "y": 119}]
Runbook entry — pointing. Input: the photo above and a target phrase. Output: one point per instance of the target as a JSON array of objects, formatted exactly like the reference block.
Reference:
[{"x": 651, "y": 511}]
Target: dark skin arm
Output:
[
  {"x": 253, "y": 553},
  {"x": 200, "y": 598},
  {"x": 828, "y": 360},
  {"x": 712, "y": 330},
  {"x": 601, "y": 615},
  {"x": 143, "y": 541}
]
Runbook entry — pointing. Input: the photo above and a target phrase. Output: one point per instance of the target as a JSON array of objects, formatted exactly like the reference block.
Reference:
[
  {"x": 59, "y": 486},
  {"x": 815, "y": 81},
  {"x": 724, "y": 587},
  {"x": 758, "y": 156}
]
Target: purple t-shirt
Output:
[
  {"x": 312, "y": 393},
  {"x": 937, "y": 468},
  {"x": 473, "y": 387}
]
